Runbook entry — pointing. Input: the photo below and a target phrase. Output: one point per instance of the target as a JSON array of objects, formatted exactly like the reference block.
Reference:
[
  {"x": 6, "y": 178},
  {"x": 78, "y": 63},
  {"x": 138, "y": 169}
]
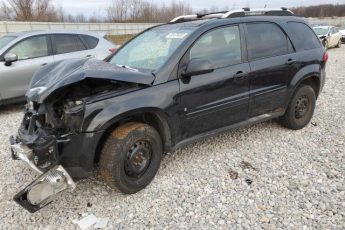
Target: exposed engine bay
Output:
[{"x": 62, "y": 112}]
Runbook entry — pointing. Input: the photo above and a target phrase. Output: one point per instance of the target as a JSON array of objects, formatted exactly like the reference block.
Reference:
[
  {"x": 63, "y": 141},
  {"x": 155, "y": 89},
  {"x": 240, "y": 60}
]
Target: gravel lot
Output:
[{"x": 263, "y": 176}]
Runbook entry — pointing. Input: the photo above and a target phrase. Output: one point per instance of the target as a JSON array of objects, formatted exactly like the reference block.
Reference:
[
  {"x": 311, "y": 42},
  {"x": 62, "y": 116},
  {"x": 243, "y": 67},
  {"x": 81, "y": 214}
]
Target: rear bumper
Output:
[{"x": 43, "y": 189}]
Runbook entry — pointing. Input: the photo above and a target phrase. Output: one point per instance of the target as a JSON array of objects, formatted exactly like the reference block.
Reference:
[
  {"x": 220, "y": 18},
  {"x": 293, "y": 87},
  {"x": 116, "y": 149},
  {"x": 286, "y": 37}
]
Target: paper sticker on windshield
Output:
[{"x": 176, "y": 35}]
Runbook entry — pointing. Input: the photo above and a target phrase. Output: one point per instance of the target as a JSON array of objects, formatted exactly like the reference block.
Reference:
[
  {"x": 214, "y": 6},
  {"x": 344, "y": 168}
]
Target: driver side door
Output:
[
  {"x": 214, "y": 100},
  {"x": 32, "y": 53}
]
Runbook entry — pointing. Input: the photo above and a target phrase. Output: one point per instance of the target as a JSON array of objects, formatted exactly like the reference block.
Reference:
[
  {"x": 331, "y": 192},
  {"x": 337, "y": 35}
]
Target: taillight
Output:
[
  {"x": 112, "y": 50},
  {"x": 325, "y": 57}
]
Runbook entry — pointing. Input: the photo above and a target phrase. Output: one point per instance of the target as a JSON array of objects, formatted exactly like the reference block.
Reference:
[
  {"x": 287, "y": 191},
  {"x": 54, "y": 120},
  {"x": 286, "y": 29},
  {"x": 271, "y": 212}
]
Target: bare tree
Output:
[
  {"x": 29, "y": 10},
  {"x": 145, "y": 11}
]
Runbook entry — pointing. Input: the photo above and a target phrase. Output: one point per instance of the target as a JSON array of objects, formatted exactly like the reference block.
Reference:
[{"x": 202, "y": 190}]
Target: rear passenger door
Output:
[
  {"x": 67, "y": 46},
  {"x": 271, "y": 58}
]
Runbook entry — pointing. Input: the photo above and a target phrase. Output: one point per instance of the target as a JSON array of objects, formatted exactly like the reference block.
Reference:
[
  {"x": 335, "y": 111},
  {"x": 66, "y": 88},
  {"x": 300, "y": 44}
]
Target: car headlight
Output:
[{"x": 42, "y": 190}]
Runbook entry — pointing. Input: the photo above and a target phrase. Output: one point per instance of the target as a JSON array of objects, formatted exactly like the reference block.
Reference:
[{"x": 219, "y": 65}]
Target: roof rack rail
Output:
[
  {"x": 256, "y": 12},
  {"x": 192, "y": 17},
  {"x": 283, "y": 11}
]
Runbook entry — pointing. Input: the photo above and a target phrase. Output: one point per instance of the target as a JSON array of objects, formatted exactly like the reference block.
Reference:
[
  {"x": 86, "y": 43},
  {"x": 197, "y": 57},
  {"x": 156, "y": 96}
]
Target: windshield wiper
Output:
[{"x": 127, "y": 67}]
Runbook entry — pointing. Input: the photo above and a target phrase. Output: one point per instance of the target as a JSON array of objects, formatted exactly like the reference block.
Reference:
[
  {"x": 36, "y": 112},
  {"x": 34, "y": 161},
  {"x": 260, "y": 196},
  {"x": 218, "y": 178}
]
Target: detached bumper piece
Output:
[{"x": 42, "y": 190}]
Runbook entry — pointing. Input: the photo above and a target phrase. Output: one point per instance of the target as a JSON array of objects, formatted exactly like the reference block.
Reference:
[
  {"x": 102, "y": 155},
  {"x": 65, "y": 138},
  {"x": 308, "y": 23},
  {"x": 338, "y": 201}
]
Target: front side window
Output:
[
  {"x": 31, "y": 48},
  {"x": 222, "y": 47},
  {"x": 151, "y": 49},
  {"x": 266, "y": 40},
  {"x": 67, "y": 43},
  {"x": 6, "y": 40}
]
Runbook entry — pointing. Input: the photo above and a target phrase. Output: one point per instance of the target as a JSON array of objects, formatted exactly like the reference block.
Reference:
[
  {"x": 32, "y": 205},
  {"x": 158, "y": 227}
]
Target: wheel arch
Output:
[
  {"x": 308, "y": 75},
  {"x": 151, "y": 116}
]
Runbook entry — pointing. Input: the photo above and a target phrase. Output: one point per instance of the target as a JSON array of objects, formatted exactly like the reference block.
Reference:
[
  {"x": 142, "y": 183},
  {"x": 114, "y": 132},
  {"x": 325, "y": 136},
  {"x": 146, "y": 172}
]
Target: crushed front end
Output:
[
  {"x": 52, "y": 142},
  {"x": 53, "y": 138},
  {"x": 40, "y": 144}
]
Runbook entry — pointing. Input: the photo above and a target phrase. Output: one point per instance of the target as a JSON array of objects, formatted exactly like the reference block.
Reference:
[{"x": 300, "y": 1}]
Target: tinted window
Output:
[
  {"x": 66, "y": 43},
  {"x": 31, "y": 48},
  {"x": 91, "y": 41},
  {"x": 304, "y": 37},
  {"x": 222, "y": 47},
  {"x": 266, "y": 40}
]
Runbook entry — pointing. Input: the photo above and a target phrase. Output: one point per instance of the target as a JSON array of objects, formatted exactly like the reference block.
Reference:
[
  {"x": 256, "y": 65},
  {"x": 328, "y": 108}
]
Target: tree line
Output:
[
  {"x": 320, "y": 11},
  {"x": 132, "y": 11}
]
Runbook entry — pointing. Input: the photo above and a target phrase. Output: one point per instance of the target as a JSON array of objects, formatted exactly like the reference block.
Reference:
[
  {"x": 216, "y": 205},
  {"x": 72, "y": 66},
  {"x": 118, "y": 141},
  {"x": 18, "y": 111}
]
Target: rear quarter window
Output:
[
  {"x": 91, "y": 41},
  {"x": 303, "y": 36}
]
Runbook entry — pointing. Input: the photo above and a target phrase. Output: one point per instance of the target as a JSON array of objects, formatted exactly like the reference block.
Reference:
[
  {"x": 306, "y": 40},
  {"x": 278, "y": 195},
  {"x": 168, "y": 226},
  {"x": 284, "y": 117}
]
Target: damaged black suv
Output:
[{"x": 196, "y": 76}]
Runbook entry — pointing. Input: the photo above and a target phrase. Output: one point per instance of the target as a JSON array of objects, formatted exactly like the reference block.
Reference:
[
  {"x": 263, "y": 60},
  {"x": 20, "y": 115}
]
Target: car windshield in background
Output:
[
  {"x": 5, "y": 40},
  {"x": 320, "y": 31},
  {"x": 150, "y": 50}
]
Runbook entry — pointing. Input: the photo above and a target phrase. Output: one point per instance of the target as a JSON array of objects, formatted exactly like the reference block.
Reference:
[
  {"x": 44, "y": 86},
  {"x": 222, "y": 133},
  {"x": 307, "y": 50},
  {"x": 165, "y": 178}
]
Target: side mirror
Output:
[
  {"x": 198, "y": 66},
  {"x": 9, "y": 58}
]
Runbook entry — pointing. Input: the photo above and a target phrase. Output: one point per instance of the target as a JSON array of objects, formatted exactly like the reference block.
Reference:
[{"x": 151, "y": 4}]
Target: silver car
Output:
[{"x": 22, "y": 54}]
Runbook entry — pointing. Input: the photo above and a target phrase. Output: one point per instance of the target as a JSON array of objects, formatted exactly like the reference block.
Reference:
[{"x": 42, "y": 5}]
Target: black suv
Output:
[{"x": 194, "y": 77}]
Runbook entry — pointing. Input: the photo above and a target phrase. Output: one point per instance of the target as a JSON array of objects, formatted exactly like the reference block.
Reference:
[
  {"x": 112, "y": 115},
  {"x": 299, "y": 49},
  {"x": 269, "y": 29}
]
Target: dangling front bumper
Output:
[{"x": 43, "y": 189}]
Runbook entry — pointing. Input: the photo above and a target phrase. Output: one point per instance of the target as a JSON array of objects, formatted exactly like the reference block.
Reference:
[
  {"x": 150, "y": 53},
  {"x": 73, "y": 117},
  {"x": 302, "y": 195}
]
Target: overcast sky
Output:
[{"x": 97, "y": 7}]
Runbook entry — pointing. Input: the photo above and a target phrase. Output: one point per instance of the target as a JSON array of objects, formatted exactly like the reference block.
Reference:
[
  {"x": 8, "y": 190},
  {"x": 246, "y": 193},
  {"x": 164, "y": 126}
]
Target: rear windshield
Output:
[
  {"x": 151, "y": 49},
  {"x": 5, "y": 40}
]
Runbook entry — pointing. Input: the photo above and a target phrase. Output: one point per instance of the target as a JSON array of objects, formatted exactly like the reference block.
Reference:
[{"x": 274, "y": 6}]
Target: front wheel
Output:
[
  {"x": 131, "y": 157},
  {"x": 300, "y": 109},
  {"x": 339, "y": 44}
]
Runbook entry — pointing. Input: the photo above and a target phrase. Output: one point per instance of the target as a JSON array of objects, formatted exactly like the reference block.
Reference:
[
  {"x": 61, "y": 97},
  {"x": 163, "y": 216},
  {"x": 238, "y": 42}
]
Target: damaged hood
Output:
[{"x": 63, "y": 73}]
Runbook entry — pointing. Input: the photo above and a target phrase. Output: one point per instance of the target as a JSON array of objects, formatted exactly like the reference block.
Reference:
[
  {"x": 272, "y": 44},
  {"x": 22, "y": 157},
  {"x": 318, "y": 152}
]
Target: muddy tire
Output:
[
  {"x": 131, "y": 157},
  {"x": 300, "y": 109}
]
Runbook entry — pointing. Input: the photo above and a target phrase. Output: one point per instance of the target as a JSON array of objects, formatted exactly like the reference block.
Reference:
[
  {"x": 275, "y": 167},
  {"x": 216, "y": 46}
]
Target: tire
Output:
[
  {"x": 131, "y": 157},
  {"x": 300, "y": 109},
  {"x": 339, "y": 44}
]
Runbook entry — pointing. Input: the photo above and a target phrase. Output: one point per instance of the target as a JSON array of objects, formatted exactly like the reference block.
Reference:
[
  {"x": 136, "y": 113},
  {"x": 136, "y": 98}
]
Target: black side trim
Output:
[{"x": 251, "y": 121}]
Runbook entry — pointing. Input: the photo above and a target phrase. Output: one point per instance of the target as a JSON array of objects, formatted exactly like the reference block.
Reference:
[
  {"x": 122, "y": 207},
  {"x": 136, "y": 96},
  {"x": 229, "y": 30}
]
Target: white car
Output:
[{"x": 330, "y": 36}]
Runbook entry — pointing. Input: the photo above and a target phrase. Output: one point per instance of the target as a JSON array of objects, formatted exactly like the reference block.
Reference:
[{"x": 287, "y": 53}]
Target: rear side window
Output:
[
  {"x": 266, "y": 40},
  {"x": 91, "y": 41},
  {"x": 304, "y": 37},
  {"x": 67, "y": 43}
]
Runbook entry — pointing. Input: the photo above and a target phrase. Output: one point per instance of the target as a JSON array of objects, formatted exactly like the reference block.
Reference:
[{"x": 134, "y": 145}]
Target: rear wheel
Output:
[
  {"x": 300, "y": 109},
  {"x": 131, "y": 157}
]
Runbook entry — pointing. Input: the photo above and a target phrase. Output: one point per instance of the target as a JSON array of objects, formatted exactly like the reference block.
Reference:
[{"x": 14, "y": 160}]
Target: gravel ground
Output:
[{"x": 263, "y": 176}]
